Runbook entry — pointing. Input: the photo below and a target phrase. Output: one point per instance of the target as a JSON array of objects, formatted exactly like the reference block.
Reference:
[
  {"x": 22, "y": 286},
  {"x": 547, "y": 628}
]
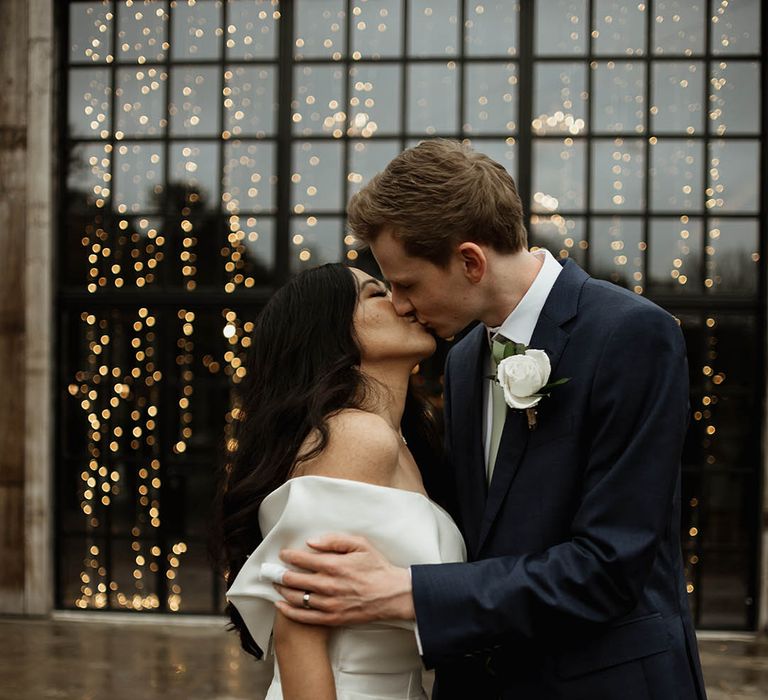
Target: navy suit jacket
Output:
[{"x": 574, "y": 587}]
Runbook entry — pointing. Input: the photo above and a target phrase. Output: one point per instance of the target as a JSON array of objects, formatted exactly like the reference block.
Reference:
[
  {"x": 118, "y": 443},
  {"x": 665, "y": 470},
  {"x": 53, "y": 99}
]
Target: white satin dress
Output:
[{"x": 368, "y": 661}]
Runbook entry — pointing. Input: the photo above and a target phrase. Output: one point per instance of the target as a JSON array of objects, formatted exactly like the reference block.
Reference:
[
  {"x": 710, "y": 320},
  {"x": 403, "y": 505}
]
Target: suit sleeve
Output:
[{"x": 637, "y": 419}]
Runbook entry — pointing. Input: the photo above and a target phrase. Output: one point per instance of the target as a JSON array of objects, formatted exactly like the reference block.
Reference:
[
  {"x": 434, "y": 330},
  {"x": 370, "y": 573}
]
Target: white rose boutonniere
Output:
[{"x": 523, "y": 374}]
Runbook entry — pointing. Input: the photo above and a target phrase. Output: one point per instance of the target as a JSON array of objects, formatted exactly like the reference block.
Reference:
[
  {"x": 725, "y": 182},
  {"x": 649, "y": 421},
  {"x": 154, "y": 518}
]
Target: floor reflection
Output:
[{"x": 111, "y": 660}]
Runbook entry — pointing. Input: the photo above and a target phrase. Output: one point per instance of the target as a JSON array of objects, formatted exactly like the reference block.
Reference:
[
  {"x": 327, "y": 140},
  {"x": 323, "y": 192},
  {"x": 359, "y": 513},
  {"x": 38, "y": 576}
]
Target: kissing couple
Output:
[{"x": 551, "y": 567}]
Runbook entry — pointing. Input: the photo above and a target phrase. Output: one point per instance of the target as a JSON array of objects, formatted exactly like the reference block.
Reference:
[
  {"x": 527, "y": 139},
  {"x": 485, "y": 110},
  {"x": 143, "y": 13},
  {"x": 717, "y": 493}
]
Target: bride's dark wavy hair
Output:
[{"x": 303, "y": 366}]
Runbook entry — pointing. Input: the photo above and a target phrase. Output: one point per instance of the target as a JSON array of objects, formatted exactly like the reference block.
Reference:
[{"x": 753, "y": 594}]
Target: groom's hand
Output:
[{"x": 351, "y": 583}]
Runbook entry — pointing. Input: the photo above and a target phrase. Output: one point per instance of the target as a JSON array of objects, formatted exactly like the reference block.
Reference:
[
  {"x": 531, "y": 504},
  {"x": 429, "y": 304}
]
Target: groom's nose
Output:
[{"x": 402, "y": 304}]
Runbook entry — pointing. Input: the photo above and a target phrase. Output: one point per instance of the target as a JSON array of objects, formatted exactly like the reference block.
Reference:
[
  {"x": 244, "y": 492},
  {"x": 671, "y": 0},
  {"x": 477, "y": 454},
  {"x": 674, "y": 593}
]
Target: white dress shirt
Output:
[{"x": 519, "y": 326}]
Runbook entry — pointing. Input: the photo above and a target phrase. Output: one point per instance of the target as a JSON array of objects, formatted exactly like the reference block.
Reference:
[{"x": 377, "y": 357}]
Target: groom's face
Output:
[{"x": 439, "y": 298}]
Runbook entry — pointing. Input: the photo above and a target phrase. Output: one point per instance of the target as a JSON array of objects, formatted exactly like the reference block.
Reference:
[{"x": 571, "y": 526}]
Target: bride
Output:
[{"x": 322, "y": 448}]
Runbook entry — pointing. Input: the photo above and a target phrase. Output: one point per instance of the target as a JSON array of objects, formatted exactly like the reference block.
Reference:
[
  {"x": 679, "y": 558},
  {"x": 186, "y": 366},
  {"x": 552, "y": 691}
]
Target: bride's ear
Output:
[{"x": 473, "y": 260}]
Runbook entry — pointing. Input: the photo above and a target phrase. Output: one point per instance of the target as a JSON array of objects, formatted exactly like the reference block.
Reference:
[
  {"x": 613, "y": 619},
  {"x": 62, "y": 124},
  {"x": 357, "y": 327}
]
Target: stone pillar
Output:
[{"x": 26, "y": 237}]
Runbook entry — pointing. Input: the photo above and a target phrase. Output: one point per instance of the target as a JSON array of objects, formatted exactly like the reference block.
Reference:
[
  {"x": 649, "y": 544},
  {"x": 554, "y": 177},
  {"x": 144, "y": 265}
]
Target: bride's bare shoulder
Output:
[{"x": 361, "y": 446}]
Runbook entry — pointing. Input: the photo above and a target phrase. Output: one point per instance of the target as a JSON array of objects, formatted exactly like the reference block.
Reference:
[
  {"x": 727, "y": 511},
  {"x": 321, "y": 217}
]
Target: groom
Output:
[{"x": 571, "y": 510}]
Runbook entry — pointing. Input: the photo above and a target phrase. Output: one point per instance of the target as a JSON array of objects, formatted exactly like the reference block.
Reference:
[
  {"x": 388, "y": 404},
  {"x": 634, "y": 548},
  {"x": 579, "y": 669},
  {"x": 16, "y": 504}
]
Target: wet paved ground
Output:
[{"x": 107, "y": 660}]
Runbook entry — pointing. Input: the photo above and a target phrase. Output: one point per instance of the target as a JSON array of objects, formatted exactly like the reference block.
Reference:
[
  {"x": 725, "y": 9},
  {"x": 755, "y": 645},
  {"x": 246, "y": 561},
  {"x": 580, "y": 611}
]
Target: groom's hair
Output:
[{"x": 439, "y": 194}]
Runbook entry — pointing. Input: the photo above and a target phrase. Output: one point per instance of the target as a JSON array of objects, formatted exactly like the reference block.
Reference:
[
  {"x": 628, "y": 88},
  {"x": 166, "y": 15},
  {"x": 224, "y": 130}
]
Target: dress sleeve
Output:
[{"x": 404, "y": 526}]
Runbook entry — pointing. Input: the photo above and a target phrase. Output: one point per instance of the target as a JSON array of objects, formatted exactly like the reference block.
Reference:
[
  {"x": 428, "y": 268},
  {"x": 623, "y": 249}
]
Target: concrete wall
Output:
[{"x": 26, "y": 238}]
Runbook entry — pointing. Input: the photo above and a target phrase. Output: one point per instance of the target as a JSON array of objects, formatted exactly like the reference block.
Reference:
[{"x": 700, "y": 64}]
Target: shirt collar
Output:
[{"x": 521, "y": 323}]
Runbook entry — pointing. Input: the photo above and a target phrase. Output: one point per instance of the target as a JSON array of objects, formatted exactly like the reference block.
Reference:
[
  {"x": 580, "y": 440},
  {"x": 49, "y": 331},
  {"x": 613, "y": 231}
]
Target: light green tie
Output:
[{"x": 498, "y": 416}]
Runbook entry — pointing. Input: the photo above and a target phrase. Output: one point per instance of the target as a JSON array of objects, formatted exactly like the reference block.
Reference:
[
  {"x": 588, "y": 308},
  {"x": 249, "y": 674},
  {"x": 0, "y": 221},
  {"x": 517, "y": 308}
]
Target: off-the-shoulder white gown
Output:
[{"x": 371, "y": 661}]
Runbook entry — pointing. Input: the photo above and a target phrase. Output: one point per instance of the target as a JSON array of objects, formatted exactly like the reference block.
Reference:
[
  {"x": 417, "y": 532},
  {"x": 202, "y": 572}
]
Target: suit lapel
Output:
[
  {"x": 467, "y": 416},
  {"x": 560, "y": 307}
]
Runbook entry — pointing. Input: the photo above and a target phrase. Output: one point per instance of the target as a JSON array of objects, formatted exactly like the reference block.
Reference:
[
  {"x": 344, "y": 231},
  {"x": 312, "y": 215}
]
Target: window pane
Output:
[
  {"x": 252, "y": 251},
  {"x": 194, "y": 170},
  {"x": 558, "y": 175},
  {"x": 318, "y": 102},
  {"x": 677, "y": 95},
  {"x": 617, "y": 251},
  {"x": 619, "y": 96},
  {"x": 432, "y": 93},
  {"x": 317, "y": 176},
  {"x": 724, "y": 589},
  {"x": 375, "y": 94},
  {"x": 315, "y": 241},
  {"x": 560, "y": 98},
  {"x": 252, "y": 30},
  {"x": 138, "y": 177},
  {"x": 196, "y": 32},
  {"x": 618, "y": 175},
  {"x": 561, "y": 236},
  {"x": 320, "y": 29},
  {"x": 733, "y": 256},
  {"x": 249, "y": 176},
  {"x": 250, "y": 105},
  {"x": 561, "y": 27},
  {"x": 491, "y": 28},
  {"x": 195, "y": 101},
  {"x": 619, "y": 27},
  {"x": 433, "y": 27},
  {"x": 490, "y": 100},
  {"x": 675, "y": 255},
  {"x": 736, "y": 28},
  {"x": 141, "y": 101},
  {"x": 88, "y": 103},
  {"x": 90, "y": 31},
  {"x": 376, "y": 28},
  {"x": 676, "y": 175},
  {"x": 679, "y": 27},
  {"x": 142, "y": 31},
  {"x": 734, "y": 176},
  {"x": 88, "y": 176},
  {"x": 733, "y": 107},
  {"x": 366, "y": 158}
]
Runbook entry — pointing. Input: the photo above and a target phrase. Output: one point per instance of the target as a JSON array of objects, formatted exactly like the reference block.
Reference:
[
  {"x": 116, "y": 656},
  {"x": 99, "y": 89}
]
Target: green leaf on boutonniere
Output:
[
  {"x": 512, "y": 349},
  {"x": 552, "y": 385}
]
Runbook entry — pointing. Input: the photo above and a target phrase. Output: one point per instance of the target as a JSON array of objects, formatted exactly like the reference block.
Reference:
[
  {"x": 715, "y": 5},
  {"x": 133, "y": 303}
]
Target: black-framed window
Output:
[{"x": 210, "y": 147}]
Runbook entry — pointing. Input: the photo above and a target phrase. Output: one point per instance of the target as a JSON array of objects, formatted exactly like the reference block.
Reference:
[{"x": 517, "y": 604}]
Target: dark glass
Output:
[
  {"x": 674, "y": 263},
  {"x": 732, "y": 105},
  {"x": 196, "y": 30},
  {"x": 434, "y": 27},
  {"x": 679, "y": 27},
  {"x": 561, "y": 27},
  {"x": 376, "y": 28},
  {"x": 432, "y": 95},
  {"x": 619, "y": 27},
  {"x": 374, "y": 99},
  {"x": 617, "y": 251},
  {"x": 90, "y": 32},
  {"x": 676, "y": 175},
  {"x": 89, "y": 103},
  {"x": 492, "y": 27},
  {"x": 315, "y": 241},
  {"x": 619, "y": 97},
  {"x": 559, "y": 169},
  {"x": 618, "y": 175},
  {"x": 563, "y": 236},
  {"x": 316, "y": 180},
  {"x": 733, "y": 256},
  {"x": 677, "y": 97},
  {"x": 319, "y": 29},
  {"x": 560, "y": 98}
]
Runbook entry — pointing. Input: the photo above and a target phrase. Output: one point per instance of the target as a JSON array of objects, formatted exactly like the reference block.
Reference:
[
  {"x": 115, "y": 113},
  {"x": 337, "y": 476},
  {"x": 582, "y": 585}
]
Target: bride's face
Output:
[{"x": 381, "y": 333}]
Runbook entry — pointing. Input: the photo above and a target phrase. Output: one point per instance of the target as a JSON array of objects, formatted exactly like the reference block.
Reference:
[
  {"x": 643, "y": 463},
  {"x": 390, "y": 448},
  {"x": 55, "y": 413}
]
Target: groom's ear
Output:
[{"x": 473, "y": 261}]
